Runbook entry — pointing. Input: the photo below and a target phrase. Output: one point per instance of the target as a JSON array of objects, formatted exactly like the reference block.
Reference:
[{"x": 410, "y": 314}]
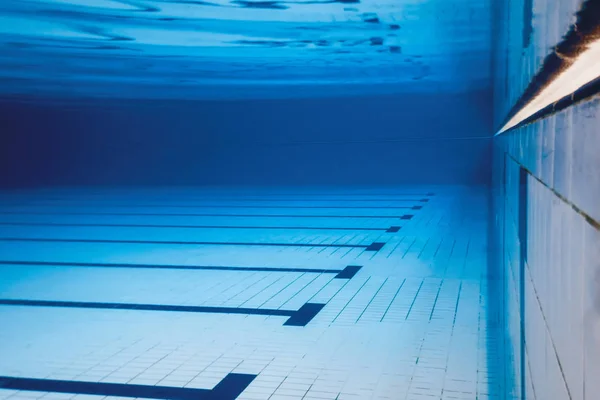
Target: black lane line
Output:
[
  {"x": 346, "y": 273},
  {"x": 299, "y": 317},
  {"x": 391, "y": 229},
  {"x": 343, "y": 197},
  {"x": 229, "y": 388},
  {"x": 405, "y": 216},
  {"x": 236, "y": 200},
  {"x": 349, "y": 272},
  {"x": 304, "y": 315},
  {"x": 104, "y": 205},
  {"x": 375, "y": 246}
]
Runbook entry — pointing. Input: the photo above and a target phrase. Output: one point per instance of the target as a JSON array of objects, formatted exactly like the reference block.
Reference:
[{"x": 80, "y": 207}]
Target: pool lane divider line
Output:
[
  {"x": 104, "y": 205},
  {"x": 404, "y": 216},
  {"x": 375, "y": 246},
  {"x": 299, "y": 317},
  {"x": 229, "y": 388},
  {"x": 346, "y": 273},
  {"x": 277, "y": 197},
  {"x": 391, "y": 229},
  {"x": 205, "y": 202}
]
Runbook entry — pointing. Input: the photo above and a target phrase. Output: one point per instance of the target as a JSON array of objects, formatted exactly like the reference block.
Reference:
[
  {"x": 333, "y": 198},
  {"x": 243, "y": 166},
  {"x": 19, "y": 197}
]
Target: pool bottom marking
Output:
[
  {"x": 346, "y": 273},
  {"x": 229, "y": 388},
  {"x": 299, "y": 317},
  {"x": 375, "y": 246}
]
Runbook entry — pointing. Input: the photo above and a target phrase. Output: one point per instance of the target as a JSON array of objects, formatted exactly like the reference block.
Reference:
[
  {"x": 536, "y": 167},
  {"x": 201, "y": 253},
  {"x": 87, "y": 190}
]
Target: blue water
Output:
[
  {"x": 247, "y": 200},
  {"x": 241, "y": 49}
]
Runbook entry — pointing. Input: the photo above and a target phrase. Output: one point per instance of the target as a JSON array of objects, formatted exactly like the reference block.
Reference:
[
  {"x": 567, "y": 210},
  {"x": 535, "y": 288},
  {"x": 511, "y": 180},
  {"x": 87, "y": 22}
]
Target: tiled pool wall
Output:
[
  {"x": 546, "y": 220},
  {"x": 516, "y": 59}
]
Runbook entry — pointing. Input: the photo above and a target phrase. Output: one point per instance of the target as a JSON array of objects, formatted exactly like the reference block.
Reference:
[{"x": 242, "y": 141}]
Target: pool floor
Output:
[{"x": 246, "y": 293}]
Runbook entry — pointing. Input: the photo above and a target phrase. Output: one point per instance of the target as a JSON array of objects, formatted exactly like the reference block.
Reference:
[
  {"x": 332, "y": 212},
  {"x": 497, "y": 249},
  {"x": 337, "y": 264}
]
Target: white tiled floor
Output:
[{"x": 411, "y": 324}]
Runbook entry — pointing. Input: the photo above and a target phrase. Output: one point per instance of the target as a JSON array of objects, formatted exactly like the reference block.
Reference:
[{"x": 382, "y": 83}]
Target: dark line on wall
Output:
[
  {"x": 522, "y": 234},
  {"x": 580, "y": 34},
  {"x": 525, "y": 274},
  {"x": 392, "y": 229},
  {"x": 552, "y": 342},
  {"x": 523, "y": 212},
  {"x": 229, "y": 388},
  {"x": 527, "y": 22},
  {"x": 375, "y": 246},
  {"x": 299, "y": 317},
  {"x": 595, "y": 224},
  {"x": 346, "y": 273}
]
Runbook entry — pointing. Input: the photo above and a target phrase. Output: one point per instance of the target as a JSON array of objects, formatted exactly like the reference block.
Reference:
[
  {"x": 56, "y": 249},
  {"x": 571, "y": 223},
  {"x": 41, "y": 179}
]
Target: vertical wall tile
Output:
[
  {"x": 567, "y": 11},
  {"x": 538, "y": 341},
  {"x": 536, "y": 146},
  {"x": 592, "y": 313},
  {"x": 556, "y": 388},
  {"x": 533, "y": 150},
  {"x": 553, "y": 29},
  {"x": 585, "y": 174},
  {"x": 547, "y": 151},
  {"x": 530, "y": 393},
  {"x": 540, "y": 12},
  {"x": 555, "y": 295},
  {"x": 571, "y": 348},
  {"x": 563, "y": 152}
]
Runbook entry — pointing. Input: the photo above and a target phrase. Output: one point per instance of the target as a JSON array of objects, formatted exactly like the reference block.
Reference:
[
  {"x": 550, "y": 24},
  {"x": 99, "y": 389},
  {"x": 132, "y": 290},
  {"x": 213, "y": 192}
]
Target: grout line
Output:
[
  {"x": 372, "y": 299},
  {"x": 595, "y": 224},
  {"x": 393, "y": 299},
  {"x": 415, "y": 299}
]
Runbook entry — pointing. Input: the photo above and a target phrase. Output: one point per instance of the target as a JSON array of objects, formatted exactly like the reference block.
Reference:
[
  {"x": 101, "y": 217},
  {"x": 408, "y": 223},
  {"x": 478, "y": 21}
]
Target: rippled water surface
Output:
[{"x": 215, "y": 48}]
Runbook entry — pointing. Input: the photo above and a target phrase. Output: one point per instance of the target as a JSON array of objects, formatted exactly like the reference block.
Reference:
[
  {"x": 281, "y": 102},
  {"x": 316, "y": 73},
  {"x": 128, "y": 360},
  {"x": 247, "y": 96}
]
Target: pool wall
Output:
[{"x": 546, "y": 218}]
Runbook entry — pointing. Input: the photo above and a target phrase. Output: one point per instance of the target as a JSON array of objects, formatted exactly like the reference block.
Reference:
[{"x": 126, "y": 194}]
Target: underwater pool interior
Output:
[{"x": 299, "y": 199}]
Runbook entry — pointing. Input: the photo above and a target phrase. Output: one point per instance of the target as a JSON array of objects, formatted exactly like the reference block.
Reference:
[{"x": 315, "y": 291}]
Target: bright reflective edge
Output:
[{"x": 585, "y": 69}]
